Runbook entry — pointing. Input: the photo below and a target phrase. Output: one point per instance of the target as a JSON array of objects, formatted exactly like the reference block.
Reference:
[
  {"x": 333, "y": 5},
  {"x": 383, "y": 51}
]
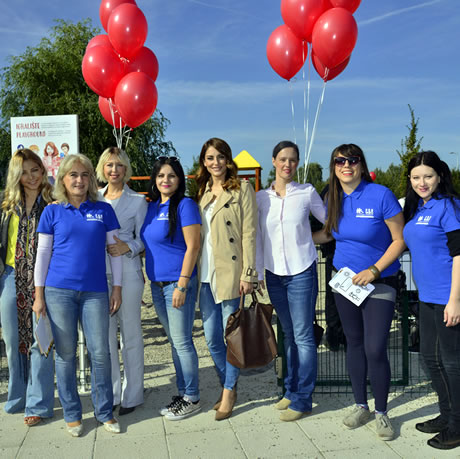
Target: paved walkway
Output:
[{"x": 254, "y": 430}]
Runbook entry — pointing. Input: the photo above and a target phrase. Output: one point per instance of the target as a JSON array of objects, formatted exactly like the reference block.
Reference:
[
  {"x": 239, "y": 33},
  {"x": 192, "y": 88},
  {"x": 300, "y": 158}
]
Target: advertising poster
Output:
[{"x": 51, "y": 137}]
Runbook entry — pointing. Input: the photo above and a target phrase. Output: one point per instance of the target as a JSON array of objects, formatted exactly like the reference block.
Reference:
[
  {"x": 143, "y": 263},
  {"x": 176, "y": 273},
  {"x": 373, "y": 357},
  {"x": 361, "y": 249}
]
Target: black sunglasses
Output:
[
  {"x": 164, "y": 158},
  {"x": 352, "y": 160}
]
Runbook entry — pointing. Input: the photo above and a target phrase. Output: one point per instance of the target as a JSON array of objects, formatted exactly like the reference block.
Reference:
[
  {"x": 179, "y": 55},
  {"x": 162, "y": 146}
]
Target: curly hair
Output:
[
  {"x": 14, "y": 191},
  {"x": 203, "y": 177}
]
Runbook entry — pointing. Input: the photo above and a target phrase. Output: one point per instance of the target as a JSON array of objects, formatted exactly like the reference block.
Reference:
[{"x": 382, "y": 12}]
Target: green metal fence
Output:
[{"x": 406, "y": 367}]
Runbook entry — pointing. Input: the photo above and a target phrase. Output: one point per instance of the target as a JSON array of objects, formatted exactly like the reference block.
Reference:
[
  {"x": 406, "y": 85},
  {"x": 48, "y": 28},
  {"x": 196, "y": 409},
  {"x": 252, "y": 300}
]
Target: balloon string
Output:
[
  {"x": 292, "y": 109},
  {"x": 306, "y": 107},
  {"x": 118, "y": 138},
  {"x": 313, "y": 132},
  {"x": 127, "y": 134}
]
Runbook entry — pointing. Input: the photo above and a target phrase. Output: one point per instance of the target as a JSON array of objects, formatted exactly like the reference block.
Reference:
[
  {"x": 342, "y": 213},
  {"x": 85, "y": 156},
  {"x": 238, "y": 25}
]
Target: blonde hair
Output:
[
  {"x": 122, "y": 156},
  {"x": 14, "y": 191},
  {"x": 67, "y": 163}
]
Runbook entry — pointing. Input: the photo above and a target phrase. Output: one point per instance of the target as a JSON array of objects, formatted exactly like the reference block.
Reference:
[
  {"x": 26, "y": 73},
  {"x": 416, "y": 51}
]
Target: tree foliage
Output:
[
  {"x": 47, "y": 80},
  {"x": 389, "y": 178},
  {"x": 410, "y": 146}
]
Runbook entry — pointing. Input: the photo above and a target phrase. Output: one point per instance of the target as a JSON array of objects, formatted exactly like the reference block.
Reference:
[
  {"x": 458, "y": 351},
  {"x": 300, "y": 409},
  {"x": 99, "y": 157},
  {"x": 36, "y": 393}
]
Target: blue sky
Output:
[{"x": 215, "y": 79}]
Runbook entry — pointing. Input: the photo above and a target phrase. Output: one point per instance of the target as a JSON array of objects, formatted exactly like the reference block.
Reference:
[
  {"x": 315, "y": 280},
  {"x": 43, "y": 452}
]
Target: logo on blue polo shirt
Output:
[
  {"x": 366, "y": 213},
  {"x": 94, "y": 217},
  {"x": 163, "y": 216},
  {"x": 423, "y": 220}
]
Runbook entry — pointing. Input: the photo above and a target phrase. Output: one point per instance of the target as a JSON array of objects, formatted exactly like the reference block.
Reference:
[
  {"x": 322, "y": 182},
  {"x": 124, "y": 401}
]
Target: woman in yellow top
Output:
[
  {"x": 31, "y": 374},
  {"x": 229, "y": 222}
]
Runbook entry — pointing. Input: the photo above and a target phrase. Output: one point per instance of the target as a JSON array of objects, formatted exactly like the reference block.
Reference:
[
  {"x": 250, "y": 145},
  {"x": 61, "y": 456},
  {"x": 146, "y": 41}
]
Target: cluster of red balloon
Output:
[
  {"x": 328, "y": 25},
  {"x": 119, "y": 68}
]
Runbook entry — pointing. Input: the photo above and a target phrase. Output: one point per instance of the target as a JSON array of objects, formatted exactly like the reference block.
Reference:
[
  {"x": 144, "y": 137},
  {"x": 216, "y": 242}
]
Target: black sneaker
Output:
[
  {"x": 446, "y": 439},
  {"x": 431, "y": 426},
  {"x": 183, "y": 409},
  {"x": 166, "y": 409}
]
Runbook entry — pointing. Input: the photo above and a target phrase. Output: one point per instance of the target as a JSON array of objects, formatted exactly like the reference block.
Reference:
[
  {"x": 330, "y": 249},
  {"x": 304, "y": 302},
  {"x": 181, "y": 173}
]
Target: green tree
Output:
[
  {"x": 192, "y": 186},
  {"x": 389, "y": 178},
  {"x": 47, "y": 80},
  {"x": 456, "y": 180},
  {"x": 410, "y": 146}
]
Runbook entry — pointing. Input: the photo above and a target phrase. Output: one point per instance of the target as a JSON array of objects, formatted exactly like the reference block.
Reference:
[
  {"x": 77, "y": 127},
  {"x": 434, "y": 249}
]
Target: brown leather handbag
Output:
[{"x": 251, "y": 341}]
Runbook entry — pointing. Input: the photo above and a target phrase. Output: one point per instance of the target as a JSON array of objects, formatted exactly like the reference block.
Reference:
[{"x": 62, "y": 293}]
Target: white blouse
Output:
[
  {"x": 284, "y": 243},
  {"x": 207, "y": 258}
]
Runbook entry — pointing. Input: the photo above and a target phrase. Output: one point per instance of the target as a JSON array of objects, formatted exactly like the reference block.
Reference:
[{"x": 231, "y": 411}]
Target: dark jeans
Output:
[
  {"x": 440, "y": 347},
  {"x": 367, "y": 328}
]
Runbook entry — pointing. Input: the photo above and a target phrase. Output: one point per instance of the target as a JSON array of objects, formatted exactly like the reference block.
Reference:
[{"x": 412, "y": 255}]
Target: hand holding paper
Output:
[{"x": 342, "y": 283}]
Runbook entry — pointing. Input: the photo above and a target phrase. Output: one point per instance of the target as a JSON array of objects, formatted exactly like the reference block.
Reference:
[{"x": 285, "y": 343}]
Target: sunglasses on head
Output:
[
  {"x": 352, "y": 160},
  {"x": 164, "y": 158}
]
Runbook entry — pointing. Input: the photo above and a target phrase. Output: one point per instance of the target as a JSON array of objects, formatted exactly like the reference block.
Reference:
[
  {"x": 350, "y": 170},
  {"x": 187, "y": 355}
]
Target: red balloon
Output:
[
  {"x": 136, "y": 98},
  {"x": 286, "y": 52},
  {"x": 127, "y": 29},
  {"x": 102, "y": 70},
  {"x": 99, "y": 40},
  {"x": 334, "y": 36},
  {"x": 106, "y": 8},
  {"x": 373, "y": 176},
  {"x": 107, "y": 107},
  {"x": 144, "y": 61},
  {"x": 350, "y": 5},
  {"x": 300, "y": 15},
  {"x": 332, "y": 73}
]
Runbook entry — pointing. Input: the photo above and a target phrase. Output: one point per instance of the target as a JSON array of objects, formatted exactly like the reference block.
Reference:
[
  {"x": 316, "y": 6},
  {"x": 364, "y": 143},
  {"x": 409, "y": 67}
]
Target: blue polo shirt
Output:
[
  {"x": 363, "y": 236},
  {"x": 425, "y": 235},
  {"x": 79, "y": 244},
  {"x": 163, "y": 257}
]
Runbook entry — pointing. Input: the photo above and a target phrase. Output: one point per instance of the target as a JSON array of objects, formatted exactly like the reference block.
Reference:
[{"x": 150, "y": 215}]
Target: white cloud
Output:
[{"x": 382, "y": 17}]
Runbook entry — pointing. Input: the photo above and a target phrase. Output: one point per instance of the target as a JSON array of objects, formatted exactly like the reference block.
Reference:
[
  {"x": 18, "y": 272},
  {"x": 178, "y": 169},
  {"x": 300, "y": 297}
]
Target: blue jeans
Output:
[
  {"x": 215, "y": 318},
  {"x": 294, "y": 299},
  {"x": 65, "y": 308},
  {"x": 178, "y": 325},
  {"x": 31, "y": 382}
]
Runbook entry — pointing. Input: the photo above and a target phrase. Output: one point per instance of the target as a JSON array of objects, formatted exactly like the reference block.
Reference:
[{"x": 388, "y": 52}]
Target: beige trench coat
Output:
[{"x": 233, "y": 235}]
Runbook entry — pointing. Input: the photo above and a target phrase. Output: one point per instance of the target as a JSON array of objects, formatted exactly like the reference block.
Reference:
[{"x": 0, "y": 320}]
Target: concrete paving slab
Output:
[
  {"x": 373, "y": 452},
  {"x": 139, "y": 447},
  {"x": 220, "y": 444},
  {"x": 276, "y": 440}
]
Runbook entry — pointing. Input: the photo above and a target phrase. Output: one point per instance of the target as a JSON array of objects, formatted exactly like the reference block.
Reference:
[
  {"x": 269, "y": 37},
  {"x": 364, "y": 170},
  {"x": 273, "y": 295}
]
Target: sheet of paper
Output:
[
  {"x": 342, "y": 284},
  {"x": 44, "y": 335}
]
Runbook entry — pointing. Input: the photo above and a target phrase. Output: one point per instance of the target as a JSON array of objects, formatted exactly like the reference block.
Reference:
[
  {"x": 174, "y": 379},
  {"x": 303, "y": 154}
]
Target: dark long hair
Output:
[
  {"x": 335, "y": 193},
  {"x": 285, "y": 144},
  {"x": 154, "y": 194},
  {"x": 445, "y": 189},
  {"x": 232, "y": 182}
]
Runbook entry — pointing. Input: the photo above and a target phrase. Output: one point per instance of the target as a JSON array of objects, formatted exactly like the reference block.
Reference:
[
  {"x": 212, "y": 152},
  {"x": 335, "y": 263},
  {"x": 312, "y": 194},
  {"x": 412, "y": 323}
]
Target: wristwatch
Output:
[{"x": 181, "y": 289}]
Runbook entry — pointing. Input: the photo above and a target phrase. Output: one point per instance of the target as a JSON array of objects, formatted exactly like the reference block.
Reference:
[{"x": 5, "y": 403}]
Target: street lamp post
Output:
[{"x": 454, "y": 153}]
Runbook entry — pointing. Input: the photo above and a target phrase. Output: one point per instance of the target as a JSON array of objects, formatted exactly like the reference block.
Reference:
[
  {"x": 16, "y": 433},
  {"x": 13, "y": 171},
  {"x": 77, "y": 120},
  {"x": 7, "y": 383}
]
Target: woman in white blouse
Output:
[
  {"x": 285, "y": 250},
  {"x": 130, "y": 208}
]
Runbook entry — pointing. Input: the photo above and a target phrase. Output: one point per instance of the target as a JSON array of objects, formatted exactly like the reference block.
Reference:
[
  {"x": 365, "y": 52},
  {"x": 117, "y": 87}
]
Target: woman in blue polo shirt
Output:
[
  {"x": 171, "y": 236},
  {"x": 71, "y": 286},
  {"x": 366, "y": 221},
  {"x": 432, "y": 233}
]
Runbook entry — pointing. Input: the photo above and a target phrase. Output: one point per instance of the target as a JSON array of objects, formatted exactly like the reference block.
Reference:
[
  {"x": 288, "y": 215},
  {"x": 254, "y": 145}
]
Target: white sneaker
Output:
[
  {"x": 183, "y": 409},
  {"x": 166, "y": 409},
  {"x": 113, "y": 428},
  {"x": 358, "y": 416},
  {"x": 383, "y": 427}
]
